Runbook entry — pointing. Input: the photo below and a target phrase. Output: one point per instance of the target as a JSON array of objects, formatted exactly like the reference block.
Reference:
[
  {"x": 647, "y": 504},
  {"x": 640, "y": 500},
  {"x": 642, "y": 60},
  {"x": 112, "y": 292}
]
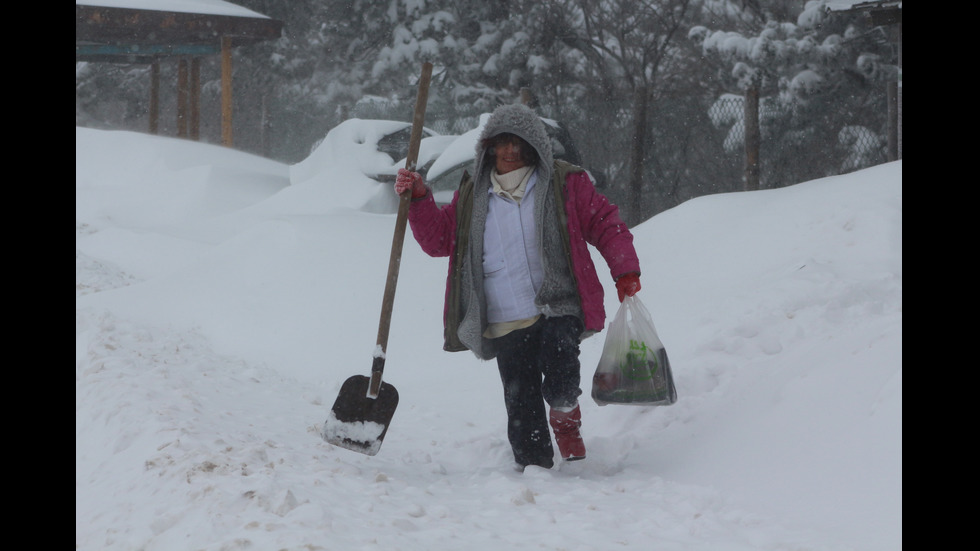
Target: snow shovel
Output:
[{"x": 363, "y": 409}]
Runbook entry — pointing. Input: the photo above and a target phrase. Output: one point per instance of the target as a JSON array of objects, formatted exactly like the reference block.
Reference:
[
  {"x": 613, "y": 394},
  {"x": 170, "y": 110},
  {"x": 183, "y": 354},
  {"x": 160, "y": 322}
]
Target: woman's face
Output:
[{"x": 507, "y": 150}]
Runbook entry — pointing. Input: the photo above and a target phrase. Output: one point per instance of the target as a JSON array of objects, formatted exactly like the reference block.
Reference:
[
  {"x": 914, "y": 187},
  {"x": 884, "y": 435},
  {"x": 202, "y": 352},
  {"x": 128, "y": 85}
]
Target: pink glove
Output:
[
  {"x": 628, "y": 285},
  {"x": 407, "y": 179}
]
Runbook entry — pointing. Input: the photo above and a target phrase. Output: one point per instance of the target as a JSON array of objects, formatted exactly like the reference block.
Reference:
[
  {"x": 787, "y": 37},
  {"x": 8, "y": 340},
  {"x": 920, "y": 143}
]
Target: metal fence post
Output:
[{"x": 752, "y": 138}]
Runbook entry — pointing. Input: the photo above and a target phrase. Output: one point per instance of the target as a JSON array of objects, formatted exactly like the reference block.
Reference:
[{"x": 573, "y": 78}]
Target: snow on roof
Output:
[{"x": 212, "y": 7}]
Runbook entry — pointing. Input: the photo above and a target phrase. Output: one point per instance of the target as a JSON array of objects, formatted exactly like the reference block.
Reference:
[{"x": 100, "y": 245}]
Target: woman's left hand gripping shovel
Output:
[{"x": 360, "y": 416}]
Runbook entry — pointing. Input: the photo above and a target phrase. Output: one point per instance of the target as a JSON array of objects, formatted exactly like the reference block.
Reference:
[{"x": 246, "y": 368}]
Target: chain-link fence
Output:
[
  {"x": 440, "y": 117},
  {"x": 785, "y": 144},
  {"x": 695, "y": 144},
  {"x": 695, "y": 148}
]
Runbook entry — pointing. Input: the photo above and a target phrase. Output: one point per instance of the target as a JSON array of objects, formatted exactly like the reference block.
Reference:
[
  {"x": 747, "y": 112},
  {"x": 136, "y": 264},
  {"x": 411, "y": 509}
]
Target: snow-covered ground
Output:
[{"x": 219, "y": 307}]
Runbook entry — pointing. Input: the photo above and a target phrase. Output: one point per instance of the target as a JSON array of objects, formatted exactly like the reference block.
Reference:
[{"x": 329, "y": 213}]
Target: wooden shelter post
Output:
[
  {"x": 195, "y": 100},
  {"x": 226, "y": 137}
]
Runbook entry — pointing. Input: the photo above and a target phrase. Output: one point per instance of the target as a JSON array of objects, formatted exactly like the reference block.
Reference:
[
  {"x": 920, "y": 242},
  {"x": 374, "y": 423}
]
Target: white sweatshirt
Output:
[{"x": 512, "y": 268}]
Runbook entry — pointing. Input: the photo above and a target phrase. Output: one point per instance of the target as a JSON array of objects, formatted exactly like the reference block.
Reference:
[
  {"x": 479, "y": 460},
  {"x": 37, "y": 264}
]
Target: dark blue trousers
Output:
[{"x": 538, "y": 365}]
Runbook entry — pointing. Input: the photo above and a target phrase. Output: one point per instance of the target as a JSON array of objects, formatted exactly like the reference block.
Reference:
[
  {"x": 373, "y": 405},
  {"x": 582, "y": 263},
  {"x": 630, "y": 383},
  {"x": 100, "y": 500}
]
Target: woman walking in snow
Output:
[{"x": 521, "y": 286}]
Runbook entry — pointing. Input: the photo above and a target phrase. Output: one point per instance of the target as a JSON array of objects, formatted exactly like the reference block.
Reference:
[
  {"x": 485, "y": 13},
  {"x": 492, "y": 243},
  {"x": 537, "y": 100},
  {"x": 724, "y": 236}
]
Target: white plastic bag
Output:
[{"x": 633, "y": 369}]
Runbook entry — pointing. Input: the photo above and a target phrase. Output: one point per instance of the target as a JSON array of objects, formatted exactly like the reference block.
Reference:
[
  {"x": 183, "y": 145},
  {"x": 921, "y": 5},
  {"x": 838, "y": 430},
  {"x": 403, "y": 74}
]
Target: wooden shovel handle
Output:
[{"x": 404, "y": 200}]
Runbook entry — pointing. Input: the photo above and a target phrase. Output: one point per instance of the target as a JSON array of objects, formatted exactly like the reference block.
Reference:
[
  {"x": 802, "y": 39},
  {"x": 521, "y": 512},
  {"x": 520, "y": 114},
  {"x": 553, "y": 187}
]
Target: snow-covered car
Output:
[{"x": 357, "y": 161}]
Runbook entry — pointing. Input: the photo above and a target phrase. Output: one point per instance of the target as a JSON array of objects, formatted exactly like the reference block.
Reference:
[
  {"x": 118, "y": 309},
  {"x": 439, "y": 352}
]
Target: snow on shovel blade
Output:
[{"x": 357, "y": 421}]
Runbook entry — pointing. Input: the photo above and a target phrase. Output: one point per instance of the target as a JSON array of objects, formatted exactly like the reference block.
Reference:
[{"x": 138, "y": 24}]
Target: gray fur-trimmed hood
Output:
[{"x": 514, "y": 119}]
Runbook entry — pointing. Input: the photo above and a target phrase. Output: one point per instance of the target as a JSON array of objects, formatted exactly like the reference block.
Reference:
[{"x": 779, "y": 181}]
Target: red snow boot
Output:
[{"x": 566, "y": 425}]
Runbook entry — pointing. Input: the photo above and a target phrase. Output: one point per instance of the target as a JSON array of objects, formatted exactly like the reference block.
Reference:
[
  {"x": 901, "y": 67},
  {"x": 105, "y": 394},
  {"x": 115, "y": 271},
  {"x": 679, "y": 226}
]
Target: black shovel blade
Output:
[{"x": 357, "y": 421}]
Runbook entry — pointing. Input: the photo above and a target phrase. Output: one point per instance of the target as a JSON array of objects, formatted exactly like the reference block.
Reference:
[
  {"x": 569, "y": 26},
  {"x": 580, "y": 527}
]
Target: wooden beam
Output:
[
  {"x": 182, "y": 95},
  {"x": 226, "y": 137},
  {"x": 87, "y": 52}
]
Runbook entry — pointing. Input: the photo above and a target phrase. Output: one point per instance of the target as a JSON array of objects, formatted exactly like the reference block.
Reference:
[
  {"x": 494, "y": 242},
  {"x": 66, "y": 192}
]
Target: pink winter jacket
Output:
[{"x": 590, "y": 219}]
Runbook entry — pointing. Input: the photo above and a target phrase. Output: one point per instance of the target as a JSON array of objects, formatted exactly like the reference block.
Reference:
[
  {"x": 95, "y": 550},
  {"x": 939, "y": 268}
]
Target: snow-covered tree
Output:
[{"x": 817, "y": 76}]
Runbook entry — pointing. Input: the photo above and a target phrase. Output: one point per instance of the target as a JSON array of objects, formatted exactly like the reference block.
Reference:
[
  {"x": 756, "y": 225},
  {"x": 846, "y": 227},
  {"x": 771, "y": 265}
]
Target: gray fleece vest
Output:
[{"x": 466, "y": 316}]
